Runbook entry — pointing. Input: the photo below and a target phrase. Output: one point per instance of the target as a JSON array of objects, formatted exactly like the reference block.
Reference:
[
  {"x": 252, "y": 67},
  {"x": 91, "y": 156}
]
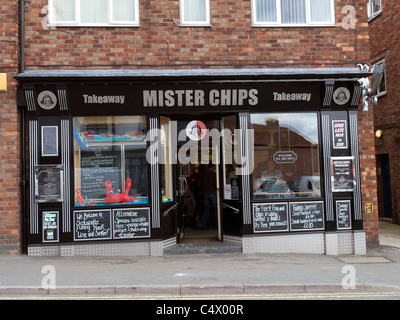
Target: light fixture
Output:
[
  {"x": 378, "y": 133},
  {"x": 3, "y": 82}
]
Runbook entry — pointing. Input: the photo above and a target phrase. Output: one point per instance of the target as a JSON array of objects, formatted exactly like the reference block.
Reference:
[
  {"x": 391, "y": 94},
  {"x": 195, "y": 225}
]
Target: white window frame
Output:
[
  {"x": 192, "y": 23},
  {"x": 369, "y": 9},
  {"x": 77, "y": 23},
  {"x": 378, "y": 93},
  {"x": 279, "y": 23}
]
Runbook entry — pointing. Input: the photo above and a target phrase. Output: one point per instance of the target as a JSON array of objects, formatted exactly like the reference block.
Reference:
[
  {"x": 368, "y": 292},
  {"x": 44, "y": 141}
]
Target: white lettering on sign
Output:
[
  {"x": 198, "y": 98},
  {"x": 283, "y": 96},
  {"x": 103, "y": 99}
]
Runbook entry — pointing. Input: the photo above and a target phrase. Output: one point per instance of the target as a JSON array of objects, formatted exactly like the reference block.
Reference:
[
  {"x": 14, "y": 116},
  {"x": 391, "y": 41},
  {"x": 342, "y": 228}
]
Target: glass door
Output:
[{"x": 231, "y": 180}]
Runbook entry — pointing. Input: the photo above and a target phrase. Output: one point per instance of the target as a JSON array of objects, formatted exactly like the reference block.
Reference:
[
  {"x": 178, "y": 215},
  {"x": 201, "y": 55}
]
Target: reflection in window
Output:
[
  {"x": 286, "y": 155},
  {"x": 110, "y": 160},
  {"x": 232, "y": 189}
]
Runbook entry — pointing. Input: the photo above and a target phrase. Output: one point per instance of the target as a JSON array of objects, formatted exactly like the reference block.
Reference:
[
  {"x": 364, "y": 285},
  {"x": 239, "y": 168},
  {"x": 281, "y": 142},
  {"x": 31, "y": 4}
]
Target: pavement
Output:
[{"x": 188, "y": 274}]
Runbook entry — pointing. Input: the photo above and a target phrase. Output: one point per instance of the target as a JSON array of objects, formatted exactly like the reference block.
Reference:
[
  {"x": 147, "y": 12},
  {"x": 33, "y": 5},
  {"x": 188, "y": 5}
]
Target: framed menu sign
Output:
[
  {"x": 50, "y": 225},
  {"x": 339, "y": 131},
  {"x": 342, "y": 174},
  {"x": 270, "y": 217},
  {"x": 131, "y": 223},
  {"x": 92, "y": 225},
  {"x": 49, "y": 183},
  {"x": 343, "y": 214},
  {"x": 306, "y": 216}
]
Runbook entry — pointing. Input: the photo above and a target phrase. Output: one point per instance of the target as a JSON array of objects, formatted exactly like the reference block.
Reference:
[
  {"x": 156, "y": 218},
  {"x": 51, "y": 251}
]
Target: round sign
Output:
[
  {"x": 341, "y": 96},
  {"x": 47, "y": 100},
  {"x": 196, "y": 130}
]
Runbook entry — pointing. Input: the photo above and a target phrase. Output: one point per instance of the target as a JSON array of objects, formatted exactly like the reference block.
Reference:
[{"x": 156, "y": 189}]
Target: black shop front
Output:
[{"x": 113, "y": 160}]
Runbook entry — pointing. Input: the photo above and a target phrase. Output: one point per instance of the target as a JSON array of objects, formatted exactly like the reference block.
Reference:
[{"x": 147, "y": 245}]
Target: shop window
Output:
[
  {"x": 165, "y": 158},
  {"x": 195, "y": 12},
  {"x": 232, "y": 189},
  {"x": 292, "y": 12},
  {"x": 374, "y": 8},
  {"x": 110, "y": 161},
  {"x": 94, "y": 12},
  {"x": 286, "y": 156}
]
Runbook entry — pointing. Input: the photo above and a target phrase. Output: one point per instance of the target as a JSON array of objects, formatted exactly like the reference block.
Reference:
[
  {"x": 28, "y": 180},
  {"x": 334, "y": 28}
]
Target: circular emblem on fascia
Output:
[
  {"x": 47, "y": 100},
  {"x": 341, "y": 96},
  {"x": 196, "y": 130}
]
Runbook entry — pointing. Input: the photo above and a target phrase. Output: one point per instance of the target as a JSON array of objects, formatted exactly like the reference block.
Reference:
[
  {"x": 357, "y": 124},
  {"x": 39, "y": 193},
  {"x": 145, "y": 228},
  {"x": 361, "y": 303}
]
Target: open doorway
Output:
[{"x": 198, "y": 183}]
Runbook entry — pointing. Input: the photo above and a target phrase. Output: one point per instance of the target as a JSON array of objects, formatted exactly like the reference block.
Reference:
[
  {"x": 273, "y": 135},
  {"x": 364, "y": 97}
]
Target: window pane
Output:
[
  {"x": 382, "y": 84},
  {"x": 94, "y": 11},
  {"x": 320, "y": 10},
  {"x": 165, "y": 159},
  {"x": 376, "y": 6},
  {"x": 64, "y": 10},
  {"x": 286, "y": 155},
  {"x": 195, "y": 10},
  {"x": 266, "y": 11},
  {"x": 123, "y": 10},
  {"x": 293, "y": 11},
  {"x": 110, "y": 160}
]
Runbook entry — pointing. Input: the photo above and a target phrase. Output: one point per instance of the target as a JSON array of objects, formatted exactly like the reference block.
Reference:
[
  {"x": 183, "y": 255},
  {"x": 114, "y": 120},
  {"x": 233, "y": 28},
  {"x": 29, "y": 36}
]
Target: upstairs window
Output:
[
  {"x": 374, "y": 8},
  {"x": 195, "y": 12},
  {"x": 292, "y": 12},
  {"x": 94, "y": 12}
]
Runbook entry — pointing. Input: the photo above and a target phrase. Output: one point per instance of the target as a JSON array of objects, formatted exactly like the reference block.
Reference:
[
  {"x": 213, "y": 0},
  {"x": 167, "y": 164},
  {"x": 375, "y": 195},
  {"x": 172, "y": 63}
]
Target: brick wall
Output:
[
  {"x": 161, "y": 42},
  {"x": 9, "y": 132},
  {"x": 230, "y": 42},
  {"x": 385, "y": 39}
]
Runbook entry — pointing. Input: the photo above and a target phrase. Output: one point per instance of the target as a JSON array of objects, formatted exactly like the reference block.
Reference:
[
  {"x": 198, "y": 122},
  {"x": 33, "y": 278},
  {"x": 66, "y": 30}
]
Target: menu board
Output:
[
  {"x": 97, "y": 166},
  {"x": 342, "y": 174},
  {"x": 307, "y": 216},
  {"x": 50, "y": 226},
  {"x": 92, "y": 225},
  {"x": 131, "y": 223},
  {"x": 343, "y": 214},
  {"x": 49, "y": 183},
  {"x": 270, "y": 217},
  {"x": 339, "y": 130}
]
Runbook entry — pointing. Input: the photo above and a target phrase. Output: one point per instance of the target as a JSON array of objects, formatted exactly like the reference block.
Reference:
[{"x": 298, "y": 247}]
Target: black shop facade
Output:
[{"x": 113, "y": 161}]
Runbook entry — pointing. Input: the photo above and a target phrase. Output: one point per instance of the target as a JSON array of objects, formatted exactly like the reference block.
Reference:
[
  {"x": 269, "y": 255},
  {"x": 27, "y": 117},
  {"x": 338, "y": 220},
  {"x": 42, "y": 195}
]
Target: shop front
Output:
[{"x": 136, "y": 162}]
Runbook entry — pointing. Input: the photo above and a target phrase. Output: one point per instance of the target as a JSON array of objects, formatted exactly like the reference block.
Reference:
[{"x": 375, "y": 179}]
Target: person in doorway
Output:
[
  {"x": 194, "y": 183},
  {"x": 208, "y": 183}
]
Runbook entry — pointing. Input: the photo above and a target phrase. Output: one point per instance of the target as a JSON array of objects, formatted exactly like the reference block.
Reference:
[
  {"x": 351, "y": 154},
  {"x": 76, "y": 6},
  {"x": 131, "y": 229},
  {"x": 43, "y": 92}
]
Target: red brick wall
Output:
[
  {"x": 230, "y": 42},
  {"x": 9, "y": 132},
  {"x": 385, "y": 39}
]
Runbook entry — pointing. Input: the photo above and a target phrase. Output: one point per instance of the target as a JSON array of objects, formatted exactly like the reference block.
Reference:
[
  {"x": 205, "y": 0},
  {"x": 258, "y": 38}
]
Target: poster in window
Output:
[
  {"x": 50, "y": 225},
  {"x": 49, "y": 141},
  {"x": 342, "y": 174},
  {"x": 339, "y": 131},
  {"x": 49, "y": 183}
]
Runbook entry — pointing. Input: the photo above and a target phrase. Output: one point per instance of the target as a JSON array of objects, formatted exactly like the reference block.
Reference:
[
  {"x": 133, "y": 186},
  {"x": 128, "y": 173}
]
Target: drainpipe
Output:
[{"x": 24, "y": 218}]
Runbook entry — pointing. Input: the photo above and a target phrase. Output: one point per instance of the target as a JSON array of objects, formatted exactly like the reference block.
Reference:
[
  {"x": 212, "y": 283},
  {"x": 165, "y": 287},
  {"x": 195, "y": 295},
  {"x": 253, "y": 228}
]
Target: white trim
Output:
[{"x": 188, "y": 23}]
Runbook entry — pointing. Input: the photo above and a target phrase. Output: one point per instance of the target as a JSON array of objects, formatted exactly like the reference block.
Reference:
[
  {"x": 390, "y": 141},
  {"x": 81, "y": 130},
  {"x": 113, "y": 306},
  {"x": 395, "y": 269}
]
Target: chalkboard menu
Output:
[
  {"x": 342, "y": 174},
  {"x": 49, "y": 183},
  {"x": 307, "y": 216},
  {"x": 270, "y": 217},
  {"x": 97, "y": 166},
  {"x": 343, "y": 214},
  {"x": 131, "y": 223},
  {"x": 50, "y": 226},
  {"x": 92, "y": 225}
]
